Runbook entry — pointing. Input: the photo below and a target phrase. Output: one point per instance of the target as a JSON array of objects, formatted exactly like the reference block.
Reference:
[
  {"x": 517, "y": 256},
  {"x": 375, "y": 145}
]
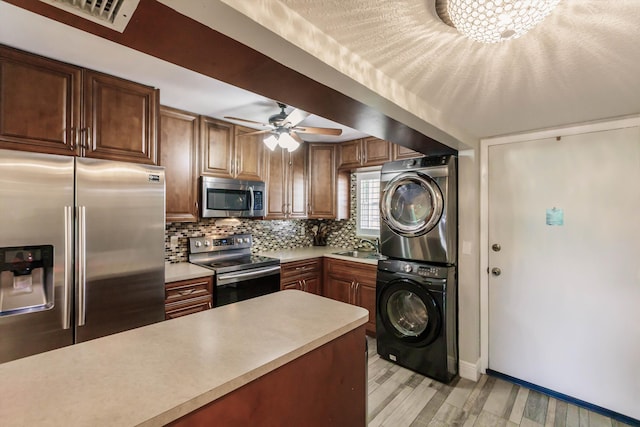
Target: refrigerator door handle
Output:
[
  {"x": 82, "y": 265},
  {"x": 68, "y": 276}
]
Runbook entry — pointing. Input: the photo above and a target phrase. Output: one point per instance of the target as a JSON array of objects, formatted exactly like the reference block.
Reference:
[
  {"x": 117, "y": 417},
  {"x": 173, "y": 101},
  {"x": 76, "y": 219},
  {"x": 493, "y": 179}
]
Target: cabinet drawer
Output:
[
  {"x": 188, "y": 289},
  {"x": 300, "y": 268},
  {"x": 182, "y": 308}
]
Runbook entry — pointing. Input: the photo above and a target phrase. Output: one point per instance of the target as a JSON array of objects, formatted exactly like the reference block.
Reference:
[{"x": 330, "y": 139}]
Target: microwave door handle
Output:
[{"x": 253, "y": 200}]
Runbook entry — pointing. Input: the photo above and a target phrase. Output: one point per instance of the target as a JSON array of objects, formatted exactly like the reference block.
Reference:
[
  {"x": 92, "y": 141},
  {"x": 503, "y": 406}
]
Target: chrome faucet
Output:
[{"x": 375, "y": 243}]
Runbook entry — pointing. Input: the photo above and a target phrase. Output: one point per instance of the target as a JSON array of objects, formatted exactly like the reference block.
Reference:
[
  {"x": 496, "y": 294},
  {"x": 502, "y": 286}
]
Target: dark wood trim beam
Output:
[{"x": 158, "y": 30}]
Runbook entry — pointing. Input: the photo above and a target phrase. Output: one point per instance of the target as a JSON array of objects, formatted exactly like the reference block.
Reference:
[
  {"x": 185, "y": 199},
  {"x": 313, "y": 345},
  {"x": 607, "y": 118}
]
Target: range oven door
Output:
[{"x": 245, "y": 284}]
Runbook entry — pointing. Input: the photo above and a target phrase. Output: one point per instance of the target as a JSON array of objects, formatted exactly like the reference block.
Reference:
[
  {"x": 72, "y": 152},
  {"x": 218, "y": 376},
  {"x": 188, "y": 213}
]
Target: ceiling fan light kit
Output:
[
  {"x": 493, "y": 21},
  {"x": 283, "y": 129}
]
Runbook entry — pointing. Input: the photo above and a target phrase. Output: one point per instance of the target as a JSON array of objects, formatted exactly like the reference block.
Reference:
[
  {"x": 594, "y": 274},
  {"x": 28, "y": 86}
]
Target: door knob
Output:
[
  {"x": 496, "y": 271},
  {"x": 496, "y": 247}
]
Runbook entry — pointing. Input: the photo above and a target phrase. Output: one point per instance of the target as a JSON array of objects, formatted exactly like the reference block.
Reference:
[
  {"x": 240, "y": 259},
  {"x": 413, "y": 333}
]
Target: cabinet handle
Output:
[
  {"x": 210, "y": 305},
  {"x": 289, "y": 208},
  {"x": 187, "y": 292},
  {"x": 304, "y": 268},
  {"x": 74, "y": 139}
]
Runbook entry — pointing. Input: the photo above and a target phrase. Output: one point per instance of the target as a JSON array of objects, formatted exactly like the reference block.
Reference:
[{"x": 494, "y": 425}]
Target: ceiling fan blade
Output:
[
  {"x": 258, "y": 132},
  {"x": 296, "y": 137},
  {"x": 319, "y": 131},
  {"x": 295, "y": 117},
  {"x": 247, "y": 121}
]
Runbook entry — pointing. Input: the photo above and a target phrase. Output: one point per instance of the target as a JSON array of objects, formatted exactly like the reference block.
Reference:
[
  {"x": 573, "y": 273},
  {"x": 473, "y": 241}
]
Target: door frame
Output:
[{"x": 576, "y": 129}]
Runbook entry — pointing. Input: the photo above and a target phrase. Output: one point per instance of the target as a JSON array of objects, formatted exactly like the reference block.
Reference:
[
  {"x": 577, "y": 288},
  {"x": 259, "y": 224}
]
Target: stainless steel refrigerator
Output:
[{"x": 81, "y": 250}]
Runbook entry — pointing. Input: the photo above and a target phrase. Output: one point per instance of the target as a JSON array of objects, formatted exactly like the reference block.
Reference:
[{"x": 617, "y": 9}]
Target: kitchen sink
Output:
[{"x": 361, "y": 254}]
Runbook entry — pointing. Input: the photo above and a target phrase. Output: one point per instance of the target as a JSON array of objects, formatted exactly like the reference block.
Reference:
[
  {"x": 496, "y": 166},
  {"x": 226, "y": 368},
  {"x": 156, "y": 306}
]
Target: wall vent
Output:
[{"x": 114, "y": 14}]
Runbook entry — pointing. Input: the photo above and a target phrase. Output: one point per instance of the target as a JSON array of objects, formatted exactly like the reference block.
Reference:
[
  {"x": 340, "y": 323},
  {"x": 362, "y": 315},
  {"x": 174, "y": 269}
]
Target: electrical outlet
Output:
[
  {"x": 303, "y": 231},
  {"x": 173, "y": 241}
]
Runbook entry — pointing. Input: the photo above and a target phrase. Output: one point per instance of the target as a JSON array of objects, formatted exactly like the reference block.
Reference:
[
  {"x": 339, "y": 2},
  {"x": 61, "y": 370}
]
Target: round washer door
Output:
[
  {"x": 409, "y": 312},
  {"x": 411, "y": 204}
]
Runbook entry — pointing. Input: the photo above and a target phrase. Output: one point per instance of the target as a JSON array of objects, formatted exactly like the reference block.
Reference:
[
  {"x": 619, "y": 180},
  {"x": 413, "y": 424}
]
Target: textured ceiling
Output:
[{"x": 581, "y": 64}]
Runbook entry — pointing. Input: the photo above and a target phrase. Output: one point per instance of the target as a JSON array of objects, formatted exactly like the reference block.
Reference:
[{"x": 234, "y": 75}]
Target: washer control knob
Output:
[{"x": 407, "y": 268}]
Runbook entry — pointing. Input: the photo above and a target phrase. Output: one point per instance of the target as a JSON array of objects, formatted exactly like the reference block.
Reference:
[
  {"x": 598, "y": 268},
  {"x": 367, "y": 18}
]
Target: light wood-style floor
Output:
[{"x": 399, "y": 397}]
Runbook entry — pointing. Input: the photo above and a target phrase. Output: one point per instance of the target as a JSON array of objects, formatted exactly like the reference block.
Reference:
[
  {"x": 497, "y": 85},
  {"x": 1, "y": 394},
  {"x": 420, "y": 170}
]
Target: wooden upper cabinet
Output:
[
  {"x": 52, "y": 107},
  {"x": 376, "y": 151},
  {"x": 120, "y": 119},
  {"x": 178, "y": 154},
  {"x": 400, "y": 152},
  {"x": 249, "y": 162},
  {"x": 322, "y": 181},
  {"x": 286, "y": 183},
  {"x": 39, "y": 103},
  {"x": 350, "y": 154},
  {"x": 364, "y": 152},
  {"x": 217, "y": 147},
  {"x": 226, "y": 153}
]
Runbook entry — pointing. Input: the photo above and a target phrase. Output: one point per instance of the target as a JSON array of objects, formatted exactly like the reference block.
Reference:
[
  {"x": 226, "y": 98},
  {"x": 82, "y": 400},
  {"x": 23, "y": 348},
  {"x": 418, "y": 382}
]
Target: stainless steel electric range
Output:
[{"x": 239, "y": 275}]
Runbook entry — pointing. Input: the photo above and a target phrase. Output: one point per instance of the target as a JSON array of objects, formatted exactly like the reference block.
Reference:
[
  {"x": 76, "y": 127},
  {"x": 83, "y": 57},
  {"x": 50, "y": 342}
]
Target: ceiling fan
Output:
[{"x": 283, "y": 128}]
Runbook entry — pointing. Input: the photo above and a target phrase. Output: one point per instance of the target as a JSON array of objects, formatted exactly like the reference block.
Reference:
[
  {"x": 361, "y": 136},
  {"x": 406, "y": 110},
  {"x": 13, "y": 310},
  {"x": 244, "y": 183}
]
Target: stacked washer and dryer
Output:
[{"x": 416, "y": 294}]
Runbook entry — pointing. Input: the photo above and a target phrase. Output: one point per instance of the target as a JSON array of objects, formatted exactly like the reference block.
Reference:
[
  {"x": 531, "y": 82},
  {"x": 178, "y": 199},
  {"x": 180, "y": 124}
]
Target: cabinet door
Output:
[
  {"x": 312, "y": 285},
  {"x": 277, "y": 169},
  {"x": 121, "y": 119},
  {"x": 322, "y": 181},
  {"x": 338, "y": 288},
  {"x": 249, "y": 151},
  {"x": 217, "y": 148},
  {"x": 376, "y": 151},
  {"x": 291, "y": 284},
  {"x": 400, "y": 152},
  {"x": 297, "y": 183},
  {"x": 350, "y": 154},
  {"x": 39, "y": 103},
  {"x": 366, "y": 298},
  {"x": 178, "y": 154}
]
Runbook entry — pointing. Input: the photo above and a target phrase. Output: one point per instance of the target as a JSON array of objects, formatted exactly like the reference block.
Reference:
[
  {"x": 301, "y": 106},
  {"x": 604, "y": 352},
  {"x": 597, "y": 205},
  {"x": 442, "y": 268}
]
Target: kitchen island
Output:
[{"x": 287, "y": 358}]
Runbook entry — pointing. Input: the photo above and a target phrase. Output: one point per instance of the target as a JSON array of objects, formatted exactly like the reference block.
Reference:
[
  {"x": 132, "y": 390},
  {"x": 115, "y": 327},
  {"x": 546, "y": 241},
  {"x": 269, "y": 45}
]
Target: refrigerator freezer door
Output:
[
  {"x": 36, "y": 199},
  {"x": 120, "y": 246}
]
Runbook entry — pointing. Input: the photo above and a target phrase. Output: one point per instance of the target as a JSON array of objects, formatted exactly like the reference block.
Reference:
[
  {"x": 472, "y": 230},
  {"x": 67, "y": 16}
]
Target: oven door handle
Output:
[{"x": 223, "y": 279}]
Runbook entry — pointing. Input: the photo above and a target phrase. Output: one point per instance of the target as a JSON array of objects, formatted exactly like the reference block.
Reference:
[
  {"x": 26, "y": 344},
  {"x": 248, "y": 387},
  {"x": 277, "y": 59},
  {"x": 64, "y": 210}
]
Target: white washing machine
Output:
[{"x": 418, "y": 206}]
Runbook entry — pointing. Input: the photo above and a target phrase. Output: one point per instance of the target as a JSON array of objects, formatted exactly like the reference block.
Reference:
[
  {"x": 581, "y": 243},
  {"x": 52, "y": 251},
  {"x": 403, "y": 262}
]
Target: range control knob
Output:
[
  {"x": 198, "y": 244},
  {"x": 207, "y": 243},
  {"x": 407, "y": 268}
]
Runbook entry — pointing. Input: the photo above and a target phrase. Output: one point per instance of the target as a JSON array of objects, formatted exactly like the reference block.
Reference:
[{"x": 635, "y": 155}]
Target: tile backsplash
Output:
[{"x": 267, "y": 235}]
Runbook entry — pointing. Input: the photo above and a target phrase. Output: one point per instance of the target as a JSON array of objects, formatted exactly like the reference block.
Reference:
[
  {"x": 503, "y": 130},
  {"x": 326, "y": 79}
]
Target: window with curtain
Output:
[{"x": 368, "y": 204}]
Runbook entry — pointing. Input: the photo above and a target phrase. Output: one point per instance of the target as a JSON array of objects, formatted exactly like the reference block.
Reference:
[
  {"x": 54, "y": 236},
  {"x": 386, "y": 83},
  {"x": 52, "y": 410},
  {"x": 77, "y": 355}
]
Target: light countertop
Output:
[
  {"x": 158, "y": 373},
  {"x": 300, "y": 254},
  {"x": 184, "y": 271}
]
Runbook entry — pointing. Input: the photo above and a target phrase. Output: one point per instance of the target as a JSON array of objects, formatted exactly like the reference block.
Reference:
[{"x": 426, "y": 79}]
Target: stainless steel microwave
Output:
[{"x": 223, "y": 197}]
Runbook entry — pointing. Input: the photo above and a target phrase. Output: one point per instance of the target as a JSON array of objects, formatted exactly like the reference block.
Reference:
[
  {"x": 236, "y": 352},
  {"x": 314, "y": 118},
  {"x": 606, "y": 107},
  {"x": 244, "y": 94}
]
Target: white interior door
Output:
[{"x": 564, "y": 312}]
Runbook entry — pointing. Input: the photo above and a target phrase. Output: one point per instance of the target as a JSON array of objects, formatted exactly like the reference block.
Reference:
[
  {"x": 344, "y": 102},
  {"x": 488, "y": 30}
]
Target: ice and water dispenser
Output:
[{"x": 26, "y": 279}]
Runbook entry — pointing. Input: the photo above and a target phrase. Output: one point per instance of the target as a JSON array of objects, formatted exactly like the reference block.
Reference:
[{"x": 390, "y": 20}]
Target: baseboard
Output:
[{"x": 469, "y": 370}]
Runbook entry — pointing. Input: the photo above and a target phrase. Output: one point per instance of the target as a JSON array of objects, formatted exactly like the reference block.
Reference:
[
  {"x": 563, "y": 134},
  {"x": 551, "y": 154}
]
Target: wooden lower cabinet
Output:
[
  {"x": 303, "y": 275},
  {"x": 353, "y": 283},
  {"x": 324, "y": 387},
  {"x": 188, "y": 296}
]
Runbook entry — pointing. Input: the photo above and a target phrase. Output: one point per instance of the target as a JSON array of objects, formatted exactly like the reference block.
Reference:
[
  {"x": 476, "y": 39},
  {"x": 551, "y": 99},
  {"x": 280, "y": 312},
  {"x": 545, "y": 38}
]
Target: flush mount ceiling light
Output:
[{"x": 493, "y": 21}]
